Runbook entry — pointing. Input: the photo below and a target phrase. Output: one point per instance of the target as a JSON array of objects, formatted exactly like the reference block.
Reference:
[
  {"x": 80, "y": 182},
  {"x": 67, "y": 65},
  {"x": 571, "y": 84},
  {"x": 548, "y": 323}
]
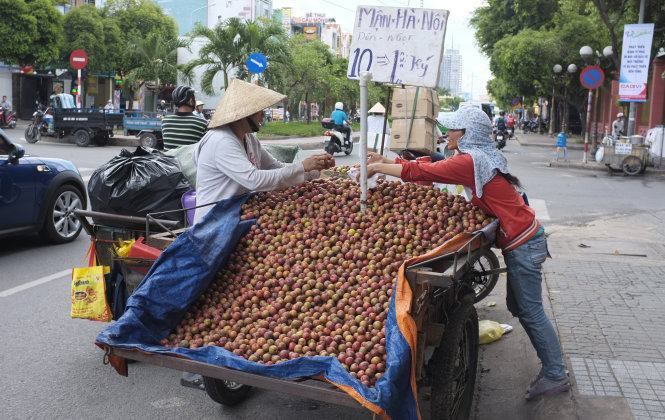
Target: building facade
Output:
[
  {"x": 451, "y": 72},
  {"x": 221, "y": 10}
]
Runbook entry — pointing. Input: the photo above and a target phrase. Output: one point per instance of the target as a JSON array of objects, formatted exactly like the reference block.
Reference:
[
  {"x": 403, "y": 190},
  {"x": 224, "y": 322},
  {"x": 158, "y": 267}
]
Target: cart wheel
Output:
[
  {"x": 484, "y": 284},
  {"x": 148, "y": 140},
  {"x": 631, "y": 165},
  {"x": 82, "y": 138},
  {"x": 452, "y": 369},
  {"x": 227, "y": 393}
]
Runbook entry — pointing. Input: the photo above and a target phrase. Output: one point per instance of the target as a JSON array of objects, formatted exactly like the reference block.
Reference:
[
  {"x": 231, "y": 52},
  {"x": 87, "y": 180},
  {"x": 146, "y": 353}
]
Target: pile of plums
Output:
[{"x": 314, "y": 275}]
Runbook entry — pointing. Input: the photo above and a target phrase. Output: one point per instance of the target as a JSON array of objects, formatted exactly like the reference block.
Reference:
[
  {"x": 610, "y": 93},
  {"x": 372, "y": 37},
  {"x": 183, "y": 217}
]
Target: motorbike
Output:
[
  {"x": 500, "y": 137},
  {"x": 39, "y": 125},
  {"x": 7, "y": 118},
  {"x": 335, "y": 140}
]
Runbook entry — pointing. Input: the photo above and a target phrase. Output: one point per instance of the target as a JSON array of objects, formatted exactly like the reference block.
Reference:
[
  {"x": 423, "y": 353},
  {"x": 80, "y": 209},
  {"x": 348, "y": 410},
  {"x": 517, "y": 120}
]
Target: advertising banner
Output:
[{"x": 635, "y": 57}]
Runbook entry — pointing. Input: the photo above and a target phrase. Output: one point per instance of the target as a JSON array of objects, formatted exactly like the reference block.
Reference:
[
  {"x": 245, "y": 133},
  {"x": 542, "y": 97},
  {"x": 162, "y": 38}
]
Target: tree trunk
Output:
[{"x": 309, "y": 109}]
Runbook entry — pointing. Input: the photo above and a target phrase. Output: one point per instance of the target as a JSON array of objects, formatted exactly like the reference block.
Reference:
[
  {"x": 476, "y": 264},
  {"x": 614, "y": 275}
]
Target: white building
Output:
[
  {"x": 220, "y": 10},
  {"x": 451, "y": 72}
]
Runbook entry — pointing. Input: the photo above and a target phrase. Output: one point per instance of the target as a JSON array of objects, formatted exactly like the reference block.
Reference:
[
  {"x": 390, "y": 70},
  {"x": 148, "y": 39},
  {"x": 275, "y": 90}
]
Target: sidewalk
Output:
[{"x": 545, "y": 140}]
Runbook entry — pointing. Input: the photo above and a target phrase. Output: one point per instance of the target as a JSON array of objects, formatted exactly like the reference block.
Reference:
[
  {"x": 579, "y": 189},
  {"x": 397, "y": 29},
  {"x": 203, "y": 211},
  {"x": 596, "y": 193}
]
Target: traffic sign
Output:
[
  {"x": 515, "y": 101},
  {"x": 78, "y": 59},
  {"x": 592, "y": 77},
  {"x": 257, "y": 63}
]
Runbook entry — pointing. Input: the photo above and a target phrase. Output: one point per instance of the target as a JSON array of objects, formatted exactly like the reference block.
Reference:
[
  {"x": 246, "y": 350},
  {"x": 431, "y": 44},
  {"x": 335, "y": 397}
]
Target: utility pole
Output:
[{"x": 632, "y": 110}]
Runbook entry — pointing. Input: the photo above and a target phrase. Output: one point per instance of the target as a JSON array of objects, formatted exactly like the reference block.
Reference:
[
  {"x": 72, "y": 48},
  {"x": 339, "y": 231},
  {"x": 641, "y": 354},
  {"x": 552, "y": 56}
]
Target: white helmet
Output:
[
  {"x": 339, "y": 105},
  {"x": 620, "y": 115}
]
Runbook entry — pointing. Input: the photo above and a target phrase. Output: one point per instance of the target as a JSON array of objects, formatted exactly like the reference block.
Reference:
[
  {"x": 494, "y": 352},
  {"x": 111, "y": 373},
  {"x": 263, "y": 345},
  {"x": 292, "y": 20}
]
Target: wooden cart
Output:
[{"x": 625, "y": 156}]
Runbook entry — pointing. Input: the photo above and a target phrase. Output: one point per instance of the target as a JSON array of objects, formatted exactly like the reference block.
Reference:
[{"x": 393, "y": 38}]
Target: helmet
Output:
[
  {"x": 620, "y": 115},
  {"x": 182, "y": 94},
  {"x": 162, "y": 102},
  {"x": 339, "y": 105},
  {"x": 502, "y": 113},
  {"x": 198, "y": 103}
]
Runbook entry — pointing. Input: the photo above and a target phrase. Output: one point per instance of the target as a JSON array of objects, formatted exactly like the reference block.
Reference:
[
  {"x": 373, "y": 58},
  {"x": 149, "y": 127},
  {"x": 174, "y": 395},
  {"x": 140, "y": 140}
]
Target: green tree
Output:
[
  {"x": 30, "y": 32},
  {"x": 502, "y": 18},
  {"x": 158, "y": 58},
  {"x": 263, "y": 36},
  {"x": 84, "y": 29},
  {"x": 221, "y": 53}
]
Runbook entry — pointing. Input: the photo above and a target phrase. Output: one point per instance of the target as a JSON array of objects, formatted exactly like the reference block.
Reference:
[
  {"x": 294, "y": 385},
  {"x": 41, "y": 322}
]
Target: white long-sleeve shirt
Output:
[{"x": 225, "y": 169}]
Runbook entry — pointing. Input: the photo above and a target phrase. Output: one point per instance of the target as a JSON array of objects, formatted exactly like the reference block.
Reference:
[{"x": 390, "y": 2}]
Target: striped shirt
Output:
[{"x": 181, "y": 129}]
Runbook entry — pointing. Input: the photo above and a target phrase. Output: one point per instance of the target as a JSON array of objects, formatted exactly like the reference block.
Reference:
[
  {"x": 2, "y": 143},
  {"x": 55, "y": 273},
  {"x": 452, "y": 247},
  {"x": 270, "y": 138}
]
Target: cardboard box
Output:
[
  {"x": 426, "y": 103},
  {"x": 423, "y": 135}
]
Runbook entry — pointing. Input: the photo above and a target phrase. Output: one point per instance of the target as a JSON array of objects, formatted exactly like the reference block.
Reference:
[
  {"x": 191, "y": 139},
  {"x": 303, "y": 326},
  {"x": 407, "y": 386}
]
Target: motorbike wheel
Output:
[
  {"x": 31, "y": 134},
  {"x": 12, "y": 124},
  {"x": 329, "y": 149},
  {"x": 348, "y": 150}
]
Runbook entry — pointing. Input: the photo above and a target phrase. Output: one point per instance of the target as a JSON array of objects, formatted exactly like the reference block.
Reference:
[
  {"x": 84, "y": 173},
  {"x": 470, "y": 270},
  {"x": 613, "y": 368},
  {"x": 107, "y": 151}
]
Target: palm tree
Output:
[
  {"x": 157, "y": 61},
  {"x": 229, "y": 44}
]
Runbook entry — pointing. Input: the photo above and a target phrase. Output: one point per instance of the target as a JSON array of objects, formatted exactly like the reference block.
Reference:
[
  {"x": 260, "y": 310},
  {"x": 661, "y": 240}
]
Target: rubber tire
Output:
[
  {"x": 220, "y": 393},
  {"x": 48, "y": 231},
  {"x": 12, "y": 124},
  {"x": 444, "y": 360},
  {"x": 494, "y": 263},
  {"x": 148, "y": 140},
  {"x": 329, "y": 149},
  {"x": 35, "y": 137},
  {"x": 82, "y": 138},
  {"x": 349, "y": 150}
]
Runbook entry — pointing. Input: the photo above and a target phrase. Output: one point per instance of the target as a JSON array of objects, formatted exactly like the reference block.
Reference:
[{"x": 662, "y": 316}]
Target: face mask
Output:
[{"x": 253, "y": 125}]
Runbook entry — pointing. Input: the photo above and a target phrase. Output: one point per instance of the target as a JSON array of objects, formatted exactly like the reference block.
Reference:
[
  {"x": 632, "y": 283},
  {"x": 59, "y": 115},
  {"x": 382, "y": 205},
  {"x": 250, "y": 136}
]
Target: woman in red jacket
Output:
[{"x": 480, "y": 167}]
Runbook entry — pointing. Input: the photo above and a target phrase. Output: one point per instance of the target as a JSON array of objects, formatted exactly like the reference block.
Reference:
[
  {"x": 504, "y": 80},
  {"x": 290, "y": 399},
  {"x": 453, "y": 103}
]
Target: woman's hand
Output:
[
  {"x": 373, "y": 157},
  {"x": 374, "y": 168},
  {"x": 318, "y": 162}
]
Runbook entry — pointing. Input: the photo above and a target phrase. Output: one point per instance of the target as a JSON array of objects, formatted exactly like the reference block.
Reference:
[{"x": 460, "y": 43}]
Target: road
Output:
[{"x": 50, "y": 368}]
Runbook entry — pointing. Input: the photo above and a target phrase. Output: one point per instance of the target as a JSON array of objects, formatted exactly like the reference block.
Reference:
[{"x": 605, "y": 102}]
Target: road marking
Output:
[
  {"x": 170, "y": 402},
  {"x": 34, "y": 283},
  {"x": 540, "y": 207}
]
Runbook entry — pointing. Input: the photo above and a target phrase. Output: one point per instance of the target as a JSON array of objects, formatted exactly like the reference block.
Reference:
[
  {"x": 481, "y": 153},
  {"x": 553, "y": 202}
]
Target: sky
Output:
[{"x": 459, "y": 32}]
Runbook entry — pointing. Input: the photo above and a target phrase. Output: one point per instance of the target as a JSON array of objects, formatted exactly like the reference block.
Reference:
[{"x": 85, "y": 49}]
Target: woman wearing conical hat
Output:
[{"x": 229, "y": 158}]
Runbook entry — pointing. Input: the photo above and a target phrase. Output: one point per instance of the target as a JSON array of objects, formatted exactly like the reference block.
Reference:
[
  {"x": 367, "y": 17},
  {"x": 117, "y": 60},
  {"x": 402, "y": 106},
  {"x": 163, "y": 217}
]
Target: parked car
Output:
[{"x": 39, "y": 194}]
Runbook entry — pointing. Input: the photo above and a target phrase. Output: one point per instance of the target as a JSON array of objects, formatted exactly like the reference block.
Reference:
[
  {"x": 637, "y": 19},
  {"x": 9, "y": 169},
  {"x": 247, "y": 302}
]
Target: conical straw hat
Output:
[
  {"x": 377, "y": 109},
  {"x": 241, "y": 100}
]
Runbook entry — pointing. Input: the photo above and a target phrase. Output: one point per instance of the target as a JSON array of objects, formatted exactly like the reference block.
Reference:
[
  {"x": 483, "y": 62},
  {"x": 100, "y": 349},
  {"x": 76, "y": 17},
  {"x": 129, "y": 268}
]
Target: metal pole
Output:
[
  {"x": 588, "y": 127},
  {"x": 79, "y": 101},
  {"x": 632, "y": 109},
  {"x": 662, "y": 140},
  {"x": 552, "y": 113},
  {"x": 365, "y": 77},
  {"x": 385, "y": 120}
]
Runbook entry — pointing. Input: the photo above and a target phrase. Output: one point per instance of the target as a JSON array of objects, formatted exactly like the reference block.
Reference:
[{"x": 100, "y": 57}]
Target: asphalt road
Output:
[{"x": 49, "y": 367}]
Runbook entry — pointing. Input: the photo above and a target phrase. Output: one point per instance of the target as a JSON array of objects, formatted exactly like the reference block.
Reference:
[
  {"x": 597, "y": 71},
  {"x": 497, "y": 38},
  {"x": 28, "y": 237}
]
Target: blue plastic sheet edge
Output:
[{"x": 185, "y": 270}]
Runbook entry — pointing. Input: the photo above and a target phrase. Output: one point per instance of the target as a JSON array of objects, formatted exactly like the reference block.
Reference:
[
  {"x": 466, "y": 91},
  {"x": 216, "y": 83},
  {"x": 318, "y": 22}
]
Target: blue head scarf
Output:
[{"x": 477, "y": 142}]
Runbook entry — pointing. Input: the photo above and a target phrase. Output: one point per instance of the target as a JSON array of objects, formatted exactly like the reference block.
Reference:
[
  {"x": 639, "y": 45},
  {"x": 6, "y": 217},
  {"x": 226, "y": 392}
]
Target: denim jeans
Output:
[{"x": 525, "y": 301}]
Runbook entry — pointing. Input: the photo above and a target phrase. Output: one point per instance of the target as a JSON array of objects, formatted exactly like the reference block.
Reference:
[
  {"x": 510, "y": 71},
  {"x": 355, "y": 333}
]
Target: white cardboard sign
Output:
[{"x": 398, "y": 45}]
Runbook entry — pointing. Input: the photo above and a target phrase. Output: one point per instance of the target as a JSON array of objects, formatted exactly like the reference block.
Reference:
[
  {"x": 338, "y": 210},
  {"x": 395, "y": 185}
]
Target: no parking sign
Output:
[{"x": 592, "y": 77}]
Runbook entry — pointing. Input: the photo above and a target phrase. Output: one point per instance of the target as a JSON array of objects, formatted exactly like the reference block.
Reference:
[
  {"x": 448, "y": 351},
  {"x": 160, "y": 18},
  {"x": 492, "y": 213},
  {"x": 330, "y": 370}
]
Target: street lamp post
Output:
[
  {"x": 587, "y": 53},
  {"x": 557, "y": 71}
]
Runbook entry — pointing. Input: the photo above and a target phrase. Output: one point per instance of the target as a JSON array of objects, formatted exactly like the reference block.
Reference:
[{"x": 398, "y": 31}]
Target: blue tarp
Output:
[{"x": 185, "y": 270}]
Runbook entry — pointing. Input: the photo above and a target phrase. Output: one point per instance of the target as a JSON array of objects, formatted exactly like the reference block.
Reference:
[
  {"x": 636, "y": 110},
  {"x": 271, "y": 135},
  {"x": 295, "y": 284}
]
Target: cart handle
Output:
[{"x": 81, "y": 214}]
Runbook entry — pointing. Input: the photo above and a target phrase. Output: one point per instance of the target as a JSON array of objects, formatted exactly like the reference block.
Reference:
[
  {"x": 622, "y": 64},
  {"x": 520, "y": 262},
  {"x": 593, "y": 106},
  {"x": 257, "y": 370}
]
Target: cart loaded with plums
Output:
[{"x": 232, "y": 299}]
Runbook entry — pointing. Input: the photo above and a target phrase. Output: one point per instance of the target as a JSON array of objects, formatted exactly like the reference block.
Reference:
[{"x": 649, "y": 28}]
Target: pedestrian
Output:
[
  {"x": 6, "y": 107},
  {"x": 183, "y": 127},
  {"x": 288, "y": 116},
  {"x": 483, "y": 169},
  {"x": 198, "y": 110},
  {"x": 617, "y": 126}
]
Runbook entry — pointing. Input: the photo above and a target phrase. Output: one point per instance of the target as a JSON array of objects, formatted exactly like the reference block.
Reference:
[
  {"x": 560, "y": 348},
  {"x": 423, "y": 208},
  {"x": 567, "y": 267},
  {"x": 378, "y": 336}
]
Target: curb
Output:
[
  {"x": 650, "y": 172},
  {"x": 113, "y": 141}
]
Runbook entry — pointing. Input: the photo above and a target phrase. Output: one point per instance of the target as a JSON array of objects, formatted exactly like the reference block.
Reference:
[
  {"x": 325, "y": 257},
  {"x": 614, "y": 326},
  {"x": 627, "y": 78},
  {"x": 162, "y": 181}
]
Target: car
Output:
[{"x": 39, "y": 195}]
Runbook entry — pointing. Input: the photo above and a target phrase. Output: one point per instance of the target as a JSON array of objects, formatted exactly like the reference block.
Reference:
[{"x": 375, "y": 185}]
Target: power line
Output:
[{"x": 337, "y": 5}]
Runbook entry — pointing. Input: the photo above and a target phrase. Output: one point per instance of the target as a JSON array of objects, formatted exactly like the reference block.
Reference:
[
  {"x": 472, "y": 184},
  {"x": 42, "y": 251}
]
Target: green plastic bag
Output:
[{"x": 283, "y": 153}]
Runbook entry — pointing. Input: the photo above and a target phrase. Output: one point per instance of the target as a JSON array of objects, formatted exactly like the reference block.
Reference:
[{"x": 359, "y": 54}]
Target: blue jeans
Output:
[{"x": 525, "y": 301}]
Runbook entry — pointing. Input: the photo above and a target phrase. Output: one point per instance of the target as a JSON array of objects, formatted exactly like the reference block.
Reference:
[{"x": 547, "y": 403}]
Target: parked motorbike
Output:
[
  {"x": 7, "y": 118},
  {"x": 336, "y": 141},
  {"x": 500, "y": 137},
  {"x": 39, "y": 125}
]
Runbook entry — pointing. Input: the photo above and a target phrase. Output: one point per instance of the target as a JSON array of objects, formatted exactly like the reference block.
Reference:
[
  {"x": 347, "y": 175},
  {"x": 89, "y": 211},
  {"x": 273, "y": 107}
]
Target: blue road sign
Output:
[
  {"x": 592, "y": 77},
  {"x": 257, "y": 63}
]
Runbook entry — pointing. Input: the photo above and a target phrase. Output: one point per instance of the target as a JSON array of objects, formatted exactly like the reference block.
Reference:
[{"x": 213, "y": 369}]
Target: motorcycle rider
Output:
[
  {"x": 510, "y": 123},
  {"x": 183, "y": 127},
  {"x": 500, "y": 122},
  {"x": 6, "y": 107},
  {"x": 339, "y": 117}
]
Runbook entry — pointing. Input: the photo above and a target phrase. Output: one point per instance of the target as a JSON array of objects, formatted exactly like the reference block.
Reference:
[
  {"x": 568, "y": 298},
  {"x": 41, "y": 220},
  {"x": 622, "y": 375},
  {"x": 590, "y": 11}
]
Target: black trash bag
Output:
[{"x": 134, "y": 184}]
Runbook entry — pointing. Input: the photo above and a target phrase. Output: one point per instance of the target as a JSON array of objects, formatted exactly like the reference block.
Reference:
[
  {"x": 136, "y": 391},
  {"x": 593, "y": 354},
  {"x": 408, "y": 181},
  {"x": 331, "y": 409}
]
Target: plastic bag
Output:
[
  {"x": 89, "y": 294},
  {"x": 283, "y": 153},
  {"x": 185, "y": 156},
  {"x": 122, "y": 248},
  {"x": 134, "y": 184},
  {"x": 489, "y": 331}
]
